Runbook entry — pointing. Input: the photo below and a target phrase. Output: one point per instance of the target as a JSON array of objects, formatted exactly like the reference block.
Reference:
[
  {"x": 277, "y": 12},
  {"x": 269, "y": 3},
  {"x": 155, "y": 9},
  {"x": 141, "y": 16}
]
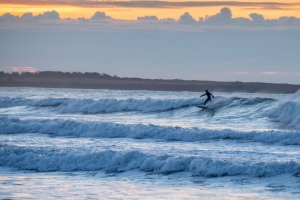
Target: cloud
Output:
[
  {"x": 49, "y": 15},
  {"x": 100, "y": 16},
  {"x": 82, "y": 19},
  {"x": 19, "y": 69},
  {"x": 289, "y": 21},
  {"x": 7, "y": 17},
  {"x": 186, "y": 18},
  {"x": 269, "y": 73},
  {"x": 257, "y": 18},
  {"x": 240, "y": 21},
  {"x": 147, "y": 18},
  {"x": 224, "y": 16},
  {"x": 168, "y": 19},
  {"x": 27, "y": 16},
  {"x": 156, "y": 4}
]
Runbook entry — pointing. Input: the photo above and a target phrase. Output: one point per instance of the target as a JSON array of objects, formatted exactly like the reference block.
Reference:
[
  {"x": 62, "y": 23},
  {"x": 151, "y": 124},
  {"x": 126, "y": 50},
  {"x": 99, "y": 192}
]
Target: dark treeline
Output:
[
  {"x": 94, "y": 80},
  {"x": 56, "y": 74}
]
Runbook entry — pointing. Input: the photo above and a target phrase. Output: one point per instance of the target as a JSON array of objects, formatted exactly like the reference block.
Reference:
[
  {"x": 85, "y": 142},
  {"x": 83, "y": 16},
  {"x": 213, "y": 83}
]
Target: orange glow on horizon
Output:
[
  {"x": 269, "y": 73},
  {"x": 131, "y": 13},
  {"x": 23, "y": 69}
]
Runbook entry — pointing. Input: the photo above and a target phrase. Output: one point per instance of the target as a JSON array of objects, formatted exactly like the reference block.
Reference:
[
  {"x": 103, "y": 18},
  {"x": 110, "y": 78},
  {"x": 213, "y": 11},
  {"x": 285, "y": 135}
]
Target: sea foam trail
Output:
[
  {"x": 73, "y": 128},
  {"x": 91, "y": 106},
  {"x": 46, "y": 160}
]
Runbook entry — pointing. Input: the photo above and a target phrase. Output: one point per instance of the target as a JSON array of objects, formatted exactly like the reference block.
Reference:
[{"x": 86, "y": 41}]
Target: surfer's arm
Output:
[{"x": 202, "y": 95}]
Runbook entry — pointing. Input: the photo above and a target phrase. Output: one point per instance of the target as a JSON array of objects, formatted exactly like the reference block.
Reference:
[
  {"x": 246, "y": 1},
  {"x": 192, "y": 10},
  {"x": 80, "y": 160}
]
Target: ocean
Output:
[{"x": 118, "y": 144}]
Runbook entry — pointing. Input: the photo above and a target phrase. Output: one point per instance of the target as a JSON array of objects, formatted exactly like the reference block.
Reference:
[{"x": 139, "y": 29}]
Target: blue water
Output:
[{"x": 117, "y": 144}]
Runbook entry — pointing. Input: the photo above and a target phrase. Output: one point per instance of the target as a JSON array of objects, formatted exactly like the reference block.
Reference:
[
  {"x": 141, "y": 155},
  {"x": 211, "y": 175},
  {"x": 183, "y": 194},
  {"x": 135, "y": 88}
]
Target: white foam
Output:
[
  {"x": 167, "y": 133},
  {"x": 91, "y": 106},
  {"x": 288, "y": 113},
  {"x": 46, "y": 160}
]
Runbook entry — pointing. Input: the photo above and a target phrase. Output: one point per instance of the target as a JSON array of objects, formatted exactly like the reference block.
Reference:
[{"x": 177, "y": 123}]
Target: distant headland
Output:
[{"x": 93, "y": 80}]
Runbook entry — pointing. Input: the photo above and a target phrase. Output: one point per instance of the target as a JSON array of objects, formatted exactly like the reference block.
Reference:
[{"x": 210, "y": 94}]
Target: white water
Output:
[{"x": 144, "y": 144}]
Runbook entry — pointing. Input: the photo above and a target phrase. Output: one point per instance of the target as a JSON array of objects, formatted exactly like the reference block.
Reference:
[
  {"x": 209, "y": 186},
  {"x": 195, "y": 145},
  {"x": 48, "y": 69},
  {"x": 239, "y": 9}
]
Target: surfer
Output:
[{"x": 208, "y": 94}]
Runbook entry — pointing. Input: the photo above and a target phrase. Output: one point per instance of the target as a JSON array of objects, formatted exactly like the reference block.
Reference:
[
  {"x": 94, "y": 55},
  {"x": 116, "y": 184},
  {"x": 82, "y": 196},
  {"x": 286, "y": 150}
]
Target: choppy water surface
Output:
[{"x": 143, "y": 144}]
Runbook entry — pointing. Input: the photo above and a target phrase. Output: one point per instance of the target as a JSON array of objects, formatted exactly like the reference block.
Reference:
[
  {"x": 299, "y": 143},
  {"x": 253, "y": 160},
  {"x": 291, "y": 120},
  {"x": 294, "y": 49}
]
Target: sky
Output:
[{"x": 249, "y": 41}]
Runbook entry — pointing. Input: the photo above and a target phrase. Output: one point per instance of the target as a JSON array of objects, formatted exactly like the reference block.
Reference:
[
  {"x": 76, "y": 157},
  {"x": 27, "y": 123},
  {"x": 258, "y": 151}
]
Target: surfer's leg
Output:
[{"x": 206, "y": 101}]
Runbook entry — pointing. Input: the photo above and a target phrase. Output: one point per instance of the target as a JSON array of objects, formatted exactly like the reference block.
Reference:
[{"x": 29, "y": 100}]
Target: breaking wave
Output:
[
  {"x": 113, "y": 161},
  {"x": 91, "y": 106},
  {"x": 58, "y": 127},
  {"x": 288, "y": 113}
]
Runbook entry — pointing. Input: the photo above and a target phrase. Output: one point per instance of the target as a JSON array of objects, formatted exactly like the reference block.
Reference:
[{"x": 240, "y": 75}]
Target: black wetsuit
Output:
[{"x": 208, "y": 94}]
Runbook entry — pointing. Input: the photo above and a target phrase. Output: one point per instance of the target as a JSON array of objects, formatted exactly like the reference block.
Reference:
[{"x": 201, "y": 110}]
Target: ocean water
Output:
[{"x": 113, "y": 144}]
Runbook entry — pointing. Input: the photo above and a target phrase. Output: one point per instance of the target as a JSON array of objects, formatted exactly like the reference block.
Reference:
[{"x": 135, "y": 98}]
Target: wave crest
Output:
[
  {"x": 140, "y": 131},
  {"x": 113, "y": 161},
  {"x": 288, "y": 113},
  {"x": 91, "y": 106}
]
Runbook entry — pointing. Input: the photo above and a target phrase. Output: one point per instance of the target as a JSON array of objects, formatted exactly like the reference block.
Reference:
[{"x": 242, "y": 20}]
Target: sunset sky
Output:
[
  {"x": 253, "y": 41},
  {"x": 124, "y": 9}
]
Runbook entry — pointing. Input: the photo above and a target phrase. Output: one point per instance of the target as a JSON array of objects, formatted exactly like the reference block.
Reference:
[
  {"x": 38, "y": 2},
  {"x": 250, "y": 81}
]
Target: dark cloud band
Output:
[{"x": 155, "y": 4}]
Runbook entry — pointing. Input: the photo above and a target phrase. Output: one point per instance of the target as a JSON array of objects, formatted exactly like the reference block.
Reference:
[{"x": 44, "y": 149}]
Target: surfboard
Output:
[{"x": 200, "y": 106}]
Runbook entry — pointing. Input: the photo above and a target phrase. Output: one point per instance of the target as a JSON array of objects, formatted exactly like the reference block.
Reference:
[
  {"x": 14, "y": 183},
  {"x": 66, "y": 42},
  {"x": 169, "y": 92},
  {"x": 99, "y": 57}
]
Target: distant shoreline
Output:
[{"x": 104, "y": 81}]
